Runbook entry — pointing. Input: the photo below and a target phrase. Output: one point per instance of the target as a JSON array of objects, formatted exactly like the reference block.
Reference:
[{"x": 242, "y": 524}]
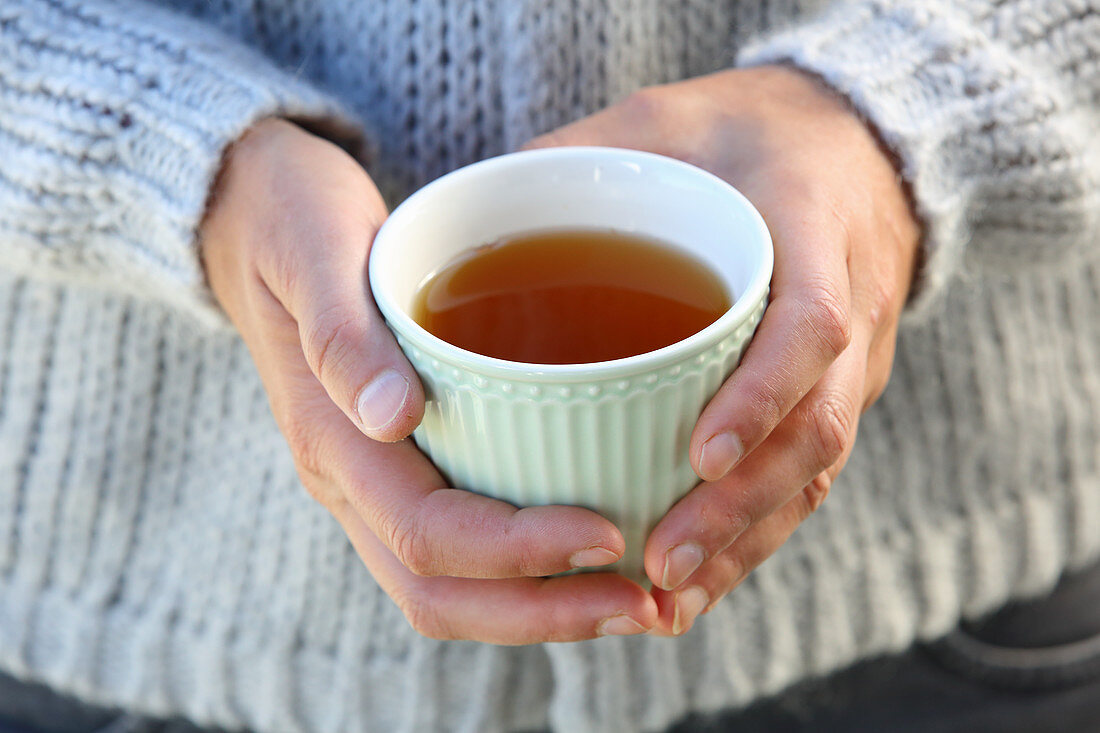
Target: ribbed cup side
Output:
[{"x": 617, "y": 446}]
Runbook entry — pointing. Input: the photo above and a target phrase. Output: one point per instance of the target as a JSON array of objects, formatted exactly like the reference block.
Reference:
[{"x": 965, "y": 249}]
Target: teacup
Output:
[{"x": 611, "y": 436}]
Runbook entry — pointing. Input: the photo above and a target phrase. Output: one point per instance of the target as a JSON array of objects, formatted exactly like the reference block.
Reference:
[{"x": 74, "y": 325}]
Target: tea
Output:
[{"x": 570, "y": 297}]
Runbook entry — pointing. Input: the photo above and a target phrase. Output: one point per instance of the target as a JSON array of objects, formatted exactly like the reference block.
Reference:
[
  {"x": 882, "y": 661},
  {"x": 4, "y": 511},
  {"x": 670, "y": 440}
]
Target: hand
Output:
[
  {"x": 779, "y": 430},
  {"x": 285, "y": 245}
]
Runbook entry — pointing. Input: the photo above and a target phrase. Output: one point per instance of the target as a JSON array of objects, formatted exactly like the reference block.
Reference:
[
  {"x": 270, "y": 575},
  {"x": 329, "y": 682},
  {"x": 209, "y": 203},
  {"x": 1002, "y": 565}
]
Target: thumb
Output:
[
  {"x": 344, "y": 338},
  {"x": 355, "y": 357}
]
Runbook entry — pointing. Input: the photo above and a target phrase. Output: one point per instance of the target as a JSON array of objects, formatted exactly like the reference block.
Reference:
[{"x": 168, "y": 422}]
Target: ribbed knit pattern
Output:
[
  {"x": 113, "y": 118},
  {"x": 156, "y": 549}
]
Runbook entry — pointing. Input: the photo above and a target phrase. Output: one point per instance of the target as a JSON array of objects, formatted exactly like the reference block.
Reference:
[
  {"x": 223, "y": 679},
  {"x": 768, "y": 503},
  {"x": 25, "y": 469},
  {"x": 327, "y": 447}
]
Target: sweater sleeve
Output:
[
  {"x": 113, "y": 119},
  {"x": 992, "y": 108}
]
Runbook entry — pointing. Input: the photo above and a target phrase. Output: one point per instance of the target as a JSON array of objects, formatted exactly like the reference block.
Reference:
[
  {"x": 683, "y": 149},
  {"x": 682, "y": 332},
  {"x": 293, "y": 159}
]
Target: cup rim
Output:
[{"x": 740, "y": 312}]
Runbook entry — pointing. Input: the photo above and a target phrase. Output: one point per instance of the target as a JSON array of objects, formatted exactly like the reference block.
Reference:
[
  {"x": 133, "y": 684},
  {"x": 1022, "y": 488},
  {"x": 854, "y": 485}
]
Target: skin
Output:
[{"x": 285, "y": 245}]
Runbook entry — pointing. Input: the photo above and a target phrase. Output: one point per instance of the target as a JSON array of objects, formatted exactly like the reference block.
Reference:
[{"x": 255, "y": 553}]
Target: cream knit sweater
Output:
[{"x": 156, "y": 549}]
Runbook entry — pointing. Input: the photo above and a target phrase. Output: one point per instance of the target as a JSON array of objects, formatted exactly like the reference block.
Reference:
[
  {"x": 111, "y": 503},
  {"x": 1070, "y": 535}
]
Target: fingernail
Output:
[
  {"x": 621, "y": 625},
  {"x": 592, "y": 557},
  {"x": 719, "y": 454},
  {"x": 381, "y": 400},
  {"x": 680, "y": 562},
  {"x": 690, "y": 602}
]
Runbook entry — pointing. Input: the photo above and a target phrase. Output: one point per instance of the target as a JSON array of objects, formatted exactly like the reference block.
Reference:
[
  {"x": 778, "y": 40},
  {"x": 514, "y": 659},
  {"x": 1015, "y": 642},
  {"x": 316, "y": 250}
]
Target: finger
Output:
[
  {"x": 721, "y": 574},
  {"x": 880, "y": 364},
  {"x": 518, "y": 611},
  {"x": 812, "y": 438},
  {"x": 432, "y": 529},
  {"x": 321, "y": 280},
  {"x": 805, "y": 328},
  {"x": 677, "y": 610},
  {"x": 877, "y": 301},
  {"x": 437, "y": 531}
]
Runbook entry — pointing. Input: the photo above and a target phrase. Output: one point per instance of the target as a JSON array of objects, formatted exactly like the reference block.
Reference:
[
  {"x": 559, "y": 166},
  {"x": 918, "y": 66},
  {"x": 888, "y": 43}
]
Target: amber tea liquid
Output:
[{"x": 570, "y": 297}]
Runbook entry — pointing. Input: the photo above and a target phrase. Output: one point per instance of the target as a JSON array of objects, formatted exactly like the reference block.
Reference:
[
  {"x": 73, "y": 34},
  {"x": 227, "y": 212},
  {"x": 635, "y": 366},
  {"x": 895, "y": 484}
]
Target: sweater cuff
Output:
[
  {"x": 975, "y": 130},
  {"x": 182, "y": 158},
  {"x": 137, "y": 106}
]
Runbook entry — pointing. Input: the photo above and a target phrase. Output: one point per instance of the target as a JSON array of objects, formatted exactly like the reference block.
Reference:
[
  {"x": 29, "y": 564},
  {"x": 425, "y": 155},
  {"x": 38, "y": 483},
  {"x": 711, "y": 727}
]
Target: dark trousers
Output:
[{"x": 1030, "y": 668}]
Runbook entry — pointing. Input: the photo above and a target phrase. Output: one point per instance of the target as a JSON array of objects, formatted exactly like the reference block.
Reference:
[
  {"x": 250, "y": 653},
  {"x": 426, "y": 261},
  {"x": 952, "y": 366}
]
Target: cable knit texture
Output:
[{"x": 156, "y": 549}]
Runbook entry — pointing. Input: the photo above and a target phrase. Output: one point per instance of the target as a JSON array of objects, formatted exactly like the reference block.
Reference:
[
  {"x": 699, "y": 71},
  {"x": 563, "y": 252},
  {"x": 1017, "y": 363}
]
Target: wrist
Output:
[
  {"x": 225, "y": 224},
  {"x": 873, "y": 163}
]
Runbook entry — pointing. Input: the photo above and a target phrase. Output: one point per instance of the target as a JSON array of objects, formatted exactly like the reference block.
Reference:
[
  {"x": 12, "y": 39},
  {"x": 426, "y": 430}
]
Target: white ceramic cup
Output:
[{"x": 612, "y": 436}]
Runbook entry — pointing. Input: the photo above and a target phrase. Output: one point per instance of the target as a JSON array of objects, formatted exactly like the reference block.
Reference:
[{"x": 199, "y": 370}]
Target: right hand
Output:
[{"x": 285, "y": 244}]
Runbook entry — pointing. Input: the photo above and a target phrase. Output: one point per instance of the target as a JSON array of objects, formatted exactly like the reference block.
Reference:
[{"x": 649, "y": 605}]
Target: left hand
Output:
[{"x": 770, "y": 443}]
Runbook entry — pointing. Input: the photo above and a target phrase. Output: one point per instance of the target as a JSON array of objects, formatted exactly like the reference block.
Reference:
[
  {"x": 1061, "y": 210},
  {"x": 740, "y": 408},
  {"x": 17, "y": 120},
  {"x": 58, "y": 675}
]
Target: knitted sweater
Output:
[{"x": 156, "y": 549}]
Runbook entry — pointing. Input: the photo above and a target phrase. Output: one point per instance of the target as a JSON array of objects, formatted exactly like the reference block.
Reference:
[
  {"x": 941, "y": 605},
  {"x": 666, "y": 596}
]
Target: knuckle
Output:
[
  {"x": 520, "y": 544},
  {"x": 733, "y": 568},
  {"x": 882, "y": 301},
  {"x": 831, "y": 425},
  {"x": 329, "y": 340},
  {"x": 552, "y": 139},
  {"x": 313, "y": 485},
  {"x": 323, "y": 492},
  {"x": 841, "y": 220},
  {"x": 409, "y": 542},
  {"x": 736, "y": 569},
  {"x": 645, "y": 103},
  {"x": 876, "y": 389},
  {"x": 525, "y": 559},
  {"x": 768, "y": 406},
  {"x": 732, "y": 517},
  {"x": 305, "y": 448},
  {"x": 424, "y": 616},
  {"x": 310, "y": 463},
  {"x": 278, "y": 272},
  {"x": 880, "y": 366},
  {"x": 815, "y": 492},
  {"x": 828, "y": 318}
]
